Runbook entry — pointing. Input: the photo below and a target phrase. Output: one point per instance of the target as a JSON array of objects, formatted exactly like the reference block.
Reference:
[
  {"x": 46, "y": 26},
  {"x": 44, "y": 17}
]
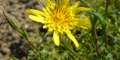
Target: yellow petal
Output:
[
  {"x": 83, "y": 27},
  {"x": 64, "y": 2},
  {"x": 48, "y": 10},
  {"x": 82, "y": 9},
  {"x": 84, "y": 21},
  {"x": 37, "y": 19},
  {"x": 76, "y": 5},
  {"x": 49, "y": 3},
  {"x": 72, "y": 38},
  {"x": 77, "y": 10},
  {"x": 34, "y": 12},
  {"x": 56, "y": 38},
  {"x": 50, "y": 29},
  {"x": 45, "y": 26}
]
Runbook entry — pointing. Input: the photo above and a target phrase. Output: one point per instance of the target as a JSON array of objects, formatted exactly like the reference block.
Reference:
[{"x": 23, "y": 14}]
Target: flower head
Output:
[{"x": 60, "y": 17}]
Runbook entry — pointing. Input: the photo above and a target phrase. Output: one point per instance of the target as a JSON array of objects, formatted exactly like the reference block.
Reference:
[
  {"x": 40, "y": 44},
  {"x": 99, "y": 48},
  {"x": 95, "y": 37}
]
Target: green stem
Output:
[
  {"x": 86, "y": 4},
  {"x": 96, "y": 41},
  {"x": 94, "y": 28},
  {"x": 28, "y": 40},
  {"x": 106, "y": 15},
  {"x": 70, "y": 49},
  {"x": 15, "y": 25},
  {"x": 40, "y": 3},
  {"x": 106, "y": 9}
]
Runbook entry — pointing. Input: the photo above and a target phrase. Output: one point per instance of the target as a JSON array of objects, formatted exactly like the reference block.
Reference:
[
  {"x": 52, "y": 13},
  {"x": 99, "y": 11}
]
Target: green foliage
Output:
[{"x": 12, "y": 58}]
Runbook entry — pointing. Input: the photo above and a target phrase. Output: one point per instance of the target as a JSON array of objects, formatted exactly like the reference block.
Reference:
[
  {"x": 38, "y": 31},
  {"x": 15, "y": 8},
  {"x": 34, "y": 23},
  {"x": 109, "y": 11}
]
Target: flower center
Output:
[{"x": 59, "y": 16}]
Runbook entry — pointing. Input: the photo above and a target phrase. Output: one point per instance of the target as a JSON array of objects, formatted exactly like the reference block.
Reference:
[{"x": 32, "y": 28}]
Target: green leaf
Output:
[
  {"x": 114, "y": 39},
  {"x": 101, "y": 19},
  {"x": 13, "y": 58},
  {"x": 97, "y": 16}
]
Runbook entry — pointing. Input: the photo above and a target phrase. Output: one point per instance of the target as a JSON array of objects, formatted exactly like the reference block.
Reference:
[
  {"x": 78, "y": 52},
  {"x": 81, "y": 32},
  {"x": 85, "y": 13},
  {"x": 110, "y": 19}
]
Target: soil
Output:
[{"x": 11, "y": 43}]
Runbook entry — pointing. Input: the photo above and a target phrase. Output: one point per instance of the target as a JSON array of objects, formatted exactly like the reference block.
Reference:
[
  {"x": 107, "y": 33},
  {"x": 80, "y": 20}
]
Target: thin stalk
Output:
[
  {"x": 96, "y": 41},
  {"x": 106, "y": 38},
  {"x": 106, "y": 9},
  {"x": 70, "y": 48},
  {"x": 40, "y": 3},
  {"x": 28, "y": 40},
  {"x": 106, "y": 15},
  {"x": 95, "y": 36},
  {"x": 46, "y": 34}
]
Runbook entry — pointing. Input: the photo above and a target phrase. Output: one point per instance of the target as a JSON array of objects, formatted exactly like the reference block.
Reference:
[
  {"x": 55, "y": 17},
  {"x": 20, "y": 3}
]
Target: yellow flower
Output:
[{"x": 60, "y": 17}]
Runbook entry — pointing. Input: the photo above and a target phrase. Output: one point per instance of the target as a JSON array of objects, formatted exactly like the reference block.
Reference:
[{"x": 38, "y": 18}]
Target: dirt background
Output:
[{"x": 11, "y": 43}]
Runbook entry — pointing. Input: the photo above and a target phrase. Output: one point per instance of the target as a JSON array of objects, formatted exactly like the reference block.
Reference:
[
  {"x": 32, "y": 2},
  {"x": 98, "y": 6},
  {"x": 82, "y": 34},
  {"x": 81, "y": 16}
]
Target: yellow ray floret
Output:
[{"x": 60, "y": 17}]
